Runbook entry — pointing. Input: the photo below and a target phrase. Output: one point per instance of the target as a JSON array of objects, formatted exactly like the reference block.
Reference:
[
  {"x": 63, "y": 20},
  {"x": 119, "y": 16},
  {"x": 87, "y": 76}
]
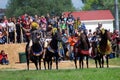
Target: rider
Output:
[{"x": 47, "y": 39}]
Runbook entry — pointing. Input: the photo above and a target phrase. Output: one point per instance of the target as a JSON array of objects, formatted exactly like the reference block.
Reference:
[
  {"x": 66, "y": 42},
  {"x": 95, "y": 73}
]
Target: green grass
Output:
[
  {"x": 113, "y": 61},
  {"x": 68, "y": 74},
  {"x": 65, "y": 74}
]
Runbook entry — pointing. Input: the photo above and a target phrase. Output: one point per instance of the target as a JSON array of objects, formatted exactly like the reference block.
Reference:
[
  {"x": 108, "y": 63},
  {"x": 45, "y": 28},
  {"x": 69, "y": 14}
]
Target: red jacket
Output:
[{"x": 1, "y": 57}]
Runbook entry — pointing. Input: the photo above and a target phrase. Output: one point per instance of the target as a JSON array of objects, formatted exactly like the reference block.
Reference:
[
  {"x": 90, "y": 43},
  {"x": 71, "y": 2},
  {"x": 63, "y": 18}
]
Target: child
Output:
[{"x": 4, "y": 59}]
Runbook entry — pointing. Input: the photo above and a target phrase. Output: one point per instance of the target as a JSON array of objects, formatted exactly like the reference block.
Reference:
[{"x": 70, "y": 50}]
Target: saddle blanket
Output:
[{"x": 38, "y": 53}]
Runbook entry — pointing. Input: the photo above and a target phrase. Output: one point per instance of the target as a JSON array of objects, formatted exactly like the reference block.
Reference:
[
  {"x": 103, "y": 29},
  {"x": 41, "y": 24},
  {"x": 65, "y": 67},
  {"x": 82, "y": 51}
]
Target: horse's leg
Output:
[
  {"x": 35, "y": 62},
  {"x": 75, "y": 61},
  {"x": 50, "y": 64},
  {"x": 99, "y": 60},
  {"x": 28, "y": 64},
  {"x": 57, "y": 62},
  {"x": 27, "y": 59},
  {"x": 102, "y": 57},
  {"x": 87, "y": 61},
  {"x": 39, "y": 63},
  {"x": 44, "y": 61},
  {"x": 81, "y": 61},
  {"x": 96, "y": 61},
  {"x": 107, "y": 61},
  {"x": 36, "y": 65}
]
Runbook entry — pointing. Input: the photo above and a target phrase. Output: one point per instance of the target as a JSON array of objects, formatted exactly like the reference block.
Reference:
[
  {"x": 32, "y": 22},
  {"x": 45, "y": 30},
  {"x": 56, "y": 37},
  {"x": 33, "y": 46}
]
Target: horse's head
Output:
[{"x": 36, "y": 35}]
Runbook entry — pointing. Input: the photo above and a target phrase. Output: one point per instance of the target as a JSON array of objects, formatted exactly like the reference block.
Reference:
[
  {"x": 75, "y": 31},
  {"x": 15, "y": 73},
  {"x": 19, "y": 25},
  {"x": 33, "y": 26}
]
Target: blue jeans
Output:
[{"x": 4, "y": 61}]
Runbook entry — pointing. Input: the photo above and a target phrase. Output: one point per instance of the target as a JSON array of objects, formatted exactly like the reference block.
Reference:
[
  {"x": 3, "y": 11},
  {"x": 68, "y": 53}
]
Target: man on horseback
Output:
[
  {"x": 47, "y": 39},
  {"x": 52, "y": 49},
  {"x": 82, "y": 48},
  {"x": 104, "y": 47},
  {"x": 34, "y": 48}
]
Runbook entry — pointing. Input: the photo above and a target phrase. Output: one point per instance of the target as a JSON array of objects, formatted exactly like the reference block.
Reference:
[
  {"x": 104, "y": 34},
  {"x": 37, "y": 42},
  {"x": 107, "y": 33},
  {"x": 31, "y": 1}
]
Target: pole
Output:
[{"x": 116, "y": 15}]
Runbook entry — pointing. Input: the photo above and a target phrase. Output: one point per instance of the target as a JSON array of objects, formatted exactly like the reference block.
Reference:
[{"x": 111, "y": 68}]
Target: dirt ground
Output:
[{"x": 13, "y": 51}]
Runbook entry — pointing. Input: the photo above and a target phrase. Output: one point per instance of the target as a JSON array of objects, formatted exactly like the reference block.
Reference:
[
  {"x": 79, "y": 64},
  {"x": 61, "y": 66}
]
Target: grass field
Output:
[
  {"x": 68, "y": 74},
  {"x": 65, "y": 74}
]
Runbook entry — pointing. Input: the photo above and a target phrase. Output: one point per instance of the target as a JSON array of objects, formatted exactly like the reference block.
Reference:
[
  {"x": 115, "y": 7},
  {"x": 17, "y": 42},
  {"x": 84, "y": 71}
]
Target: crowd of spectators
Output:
[{"x": 17, "y": 30}]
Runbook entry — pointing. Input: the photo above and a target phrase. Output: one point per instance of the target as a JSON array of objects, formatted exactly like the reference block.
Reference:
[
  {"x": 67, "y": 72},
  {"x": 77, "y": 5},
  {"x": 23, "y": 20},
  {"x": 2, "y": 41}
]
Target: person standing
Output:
[
  {"x": 70, "y": 24},
  {"x": 11, "y": 30}
]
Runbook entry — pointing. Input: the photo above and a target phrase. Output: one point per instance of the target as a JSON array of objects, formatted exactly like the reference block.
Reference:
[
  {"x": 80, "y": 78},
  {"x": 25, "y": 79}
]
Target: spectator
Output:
[
  {"x": 18, "y": 31},
  {"x": 70, "y": 24},
  {"x": 3, "y": 58},
  {"x": 11, "y": 30},
  {"x": 2, "y": 38},
  {"x": 72, "y": 40},
  {"x": 118, "y": 42},
  {"x": 63, "y": 26}
]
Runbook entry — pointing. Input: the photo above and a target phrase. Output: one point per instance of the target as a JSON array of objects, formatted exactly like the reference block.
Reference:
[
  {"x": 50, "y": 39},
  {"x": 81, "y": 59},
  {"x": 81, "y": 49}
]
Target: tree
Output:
[
  {"x": 40, "y": 7},
  {"x": 93, "y": 4},
  {"x": 99, "y": 4}
]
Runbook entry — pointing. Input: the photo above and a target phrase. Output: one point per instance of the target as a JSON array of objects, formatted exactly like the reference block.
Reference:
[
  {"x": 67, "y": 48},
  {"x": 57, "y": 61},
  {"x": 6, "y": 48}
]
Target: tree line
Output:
[{"x": 54, "y": 7}]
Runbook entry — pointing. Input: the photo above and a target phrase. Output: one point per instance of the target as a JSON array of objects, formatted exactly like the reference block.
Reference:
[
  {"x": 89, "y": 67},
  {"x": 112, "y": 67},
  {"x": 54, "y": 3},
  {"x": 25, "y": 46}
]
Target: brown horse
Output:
[
  {"x": 81, "y": 50},
  {"x": 104, "y": 47}
]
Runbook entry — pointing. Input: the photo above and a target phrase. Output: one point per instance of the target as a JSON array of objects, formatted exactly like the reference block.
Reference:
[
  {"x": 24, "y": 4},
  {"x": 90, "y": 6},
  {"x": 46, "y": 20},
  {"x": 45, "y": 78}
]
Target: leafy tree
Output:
[
  {"x": 93, "y": 4},
  {"x": 40, "y": 7},
  {"x": 99, "y": 4}
]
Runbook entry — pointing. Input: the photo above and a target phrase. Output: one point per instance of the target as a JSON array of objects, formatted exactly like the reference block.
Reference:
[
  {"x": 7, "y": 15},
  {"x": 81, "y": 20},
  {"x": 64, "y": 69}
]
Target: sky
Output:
[
  {"x": 76, "y": 3},
  {"x": 3, "y": 4}
]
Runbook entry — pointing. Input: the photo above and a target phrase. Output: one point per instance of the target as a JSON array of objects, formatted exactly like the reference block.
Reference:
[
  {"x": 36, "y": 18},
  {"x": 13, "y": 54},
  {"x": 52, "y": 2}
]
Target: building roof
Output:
[{"x": 92, "y": 15}]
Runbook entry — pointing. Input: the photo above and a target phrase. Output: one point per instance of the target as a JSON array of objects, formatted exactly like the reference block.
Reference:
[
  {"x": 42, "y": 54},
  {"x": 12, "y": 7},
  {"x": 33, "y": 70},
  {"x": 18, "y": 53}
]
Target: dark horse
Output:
[
  {"x": 81, "y": 50},
  {"x": 95, "y": 54},
  {"x": 52, "y": 52},
  {"x": 34, "y": 49},
  {"x": 104, "y": 47}
]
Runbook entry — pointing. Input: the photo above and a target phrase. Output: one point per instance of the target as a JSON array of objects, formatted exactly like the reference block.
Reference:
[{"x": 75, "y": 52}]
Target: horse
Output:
[
  {"x": 34, "y": 49},
  {"x": 104, "y": 47},
  {"x": 52, "y": 51},
  {"x": 81, "y": 50},
  {"x": 95, "y": 54}
]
